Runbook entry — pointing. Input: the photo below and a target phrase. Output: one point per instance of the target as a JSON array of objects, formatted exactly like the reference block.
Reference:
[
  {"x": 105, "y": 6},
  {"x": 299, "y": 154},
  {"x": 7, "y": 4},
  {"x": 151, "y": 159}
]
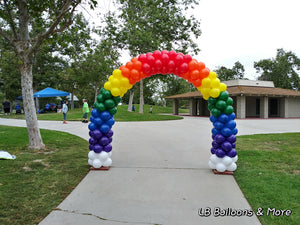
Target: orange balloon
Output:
[
  {"x": 129, "y": 65},
  {"x": 125, "y": 71},
  {"x": 137, "y": 65},
  {"x": 195, "y": 74},
  {"x": 143, "y": 75},
  {"x": 134, "y": 59},
  {"x": 204, "y": 73},
  {"x": 193, "y": 64},
  {"x": 185, "y": 76},
  {"x": 197, "y": 83},
  {"x": 200, "y": 66},
  {"x": 135, "y": 75}
]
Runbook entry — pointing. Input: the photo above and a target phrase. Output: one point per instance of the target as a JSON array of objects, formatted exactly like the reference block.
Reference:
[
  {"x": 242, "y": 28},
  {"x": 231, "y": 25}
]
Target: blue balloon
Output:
[
  {"x": 215, "y": 131},
  {"x": 104, "y": 128},
  {"x": 226, "y": 131},
  {"x": 110, "y": 122},
  {"x": 95, "y": 112},
  {"x": 212, "y": 119},
  {"x": 223, "y": 118},
  {"x": 105, "y": 115},
  {"x": 218, "y": 125},
  {"x": 231, "y": 124},
  {"x": 232, "y": 116},
  {"x": 92, "y": 126},
  {"x": 92, "y": 119},
  {"x": 235, "y": 131},
  {"x": 98, "y": 121}
]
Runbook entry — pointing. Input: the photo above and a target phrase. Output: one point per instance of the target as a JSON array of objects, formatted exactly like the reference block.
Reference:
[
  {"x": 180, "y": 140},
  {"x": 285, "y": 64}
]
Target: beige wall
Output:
[{"x": 293, "y": 105}]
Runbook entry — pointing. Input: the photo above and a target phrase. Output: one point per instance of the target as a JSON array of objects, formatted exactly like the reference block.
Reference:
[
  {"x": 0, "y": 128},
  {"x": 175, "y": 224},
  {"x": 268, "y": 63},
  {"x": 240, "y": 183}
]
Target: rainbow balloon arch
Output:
[{"x": 224, "y": 155}]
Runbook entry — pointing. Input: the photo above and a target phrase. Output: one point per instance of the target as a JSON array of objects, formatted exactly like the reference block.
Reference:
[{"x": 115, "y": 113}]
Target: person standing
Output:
[
  {"x": 150, "y": 109},
  {"x": 6, "y": 107},
  {"x": 85, "y": 110},
  {"x": 65, "y": 110}
]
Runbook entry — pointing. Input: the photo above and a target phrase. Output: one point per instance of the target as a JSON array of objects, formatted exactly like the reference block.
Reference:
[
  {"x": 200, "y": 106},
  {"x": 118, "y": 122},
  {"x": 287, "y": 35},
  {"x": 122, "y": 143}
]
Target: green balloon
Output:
[
  {"x": 100, "y": 106},
  {"x": 212, "y": 100},
  {"x": 113, "y": 111},
  {"x": 221, "y": 104},
  {"x": 210, "y": 106},
  {"x": 215, "y": 112},
  {"x": 117, "y": 99},
  {"x": 107, "y": 94},
  {"x": 100, "y": 98},
  {"x": 229, "y": 101},
  {"x": 102, "y": 90},
  {"x": 109, "y": 103},
  {"x": 224, "y": 95},
  {"x": 228, "y": 110}
]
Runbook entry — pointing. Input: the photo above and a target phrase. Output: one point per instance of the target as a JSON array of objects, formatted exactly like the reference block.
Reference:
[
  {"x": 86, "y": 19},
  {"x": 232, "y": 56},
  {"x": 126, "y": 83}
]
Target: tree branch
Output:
[
  {"x": 6, "y": 36},
  {"x": 52, "y": 29},
  {"x": 11, "y": 21}
]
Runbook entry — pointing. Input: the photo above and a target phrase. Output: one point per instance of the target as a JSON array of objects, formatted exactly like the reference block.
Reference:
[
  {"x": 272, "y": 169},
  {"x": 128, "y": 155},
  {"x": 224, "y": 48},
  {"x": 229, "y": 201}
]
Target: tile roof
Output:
[{"x": 246, "y": 90}]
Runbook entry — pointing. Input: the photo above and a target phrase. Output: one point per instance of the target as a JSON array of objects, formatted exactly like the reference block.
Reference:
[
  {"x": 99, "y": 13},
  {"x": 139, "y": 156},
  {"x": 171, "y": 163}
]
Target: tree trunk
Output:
[
  {"x": 35, "y": 139},
  {"x": 72, "y": 99},
  {"x": 130, "y": 101},
  {"x": 141, "y": 109}
]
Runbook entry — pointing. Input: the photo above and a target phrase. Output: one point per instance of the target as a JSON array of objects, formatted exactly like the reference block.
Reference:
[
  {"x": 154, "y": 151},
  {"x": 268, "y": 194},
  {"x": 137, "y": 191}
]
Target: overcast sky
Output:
[{"x": 244, "y": 31}]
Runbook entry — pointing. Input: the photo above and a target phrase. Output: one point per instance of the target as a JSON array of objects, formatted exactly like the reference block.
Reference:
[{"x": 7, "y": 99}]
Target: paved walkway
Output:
[{"x": 159, "y": 175}]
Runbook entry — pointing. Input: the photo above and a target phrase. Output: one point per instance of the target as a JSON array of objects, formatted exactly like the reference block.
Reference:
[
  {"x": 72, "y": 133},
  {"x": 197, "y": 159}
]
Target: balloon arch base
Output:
[{"x": 105, "y": 168}]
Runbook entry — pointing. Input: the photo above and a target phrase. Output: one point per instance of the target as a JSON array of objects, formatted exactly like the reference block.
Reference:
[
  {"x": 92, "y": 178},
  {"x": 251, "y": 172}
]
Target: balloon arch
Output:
[{"x": 224, "y": 155}]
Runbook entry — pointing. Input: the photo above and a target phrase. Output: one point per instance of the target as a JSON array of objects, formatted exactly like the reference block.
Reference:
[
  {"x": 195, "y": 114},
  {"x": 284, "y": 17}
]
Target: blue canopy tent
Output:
[{"x": 48, "y": 92}]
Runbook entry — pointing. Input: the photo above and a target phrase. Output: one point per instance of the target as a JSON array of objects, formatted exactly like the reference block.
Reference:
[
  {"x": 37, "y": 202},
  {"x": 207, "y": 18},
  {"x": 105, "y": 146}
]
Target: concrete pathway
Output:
[{"x": 159, "y": 176}]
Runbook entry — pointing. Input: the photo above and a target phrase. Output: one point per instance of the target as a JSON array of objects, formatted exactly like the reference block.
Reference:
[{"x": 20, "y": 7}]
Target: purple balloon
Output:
[
  {"x": 226, "y": 146},
  {"x": 97, "y": 134},
  {"x": 98, "y": 148},
  {"x": 91, "y": 133},
  {"x": 215, "y": 144},
  {"x": 110, "y": 140},
  {"x": 233, "y": 145},
  {"x": 219, "y": 138},
  {"x": 213, "y": 151},
  {"x": 231, "y": 138},
  {"x": 220, "y": 153},
  {"x": 109, "y": 134},
  {"x": 107, "y": 148},
  {"x": 104, "y": 141},
  {"x": 218, "y": 125},
  {"x": 232, "y": 153},
  {"x": 91, "y": 147},
  {"x": 92, "y": 141}
]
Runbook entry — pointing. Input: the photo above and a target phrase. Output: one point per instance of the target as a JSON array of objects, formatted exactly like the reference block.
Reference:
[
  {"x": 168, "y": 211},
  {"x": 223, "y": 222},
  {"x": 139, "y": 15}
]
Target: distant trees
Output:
[
  {"x": 236, "y": 72},
  {"x": 283, "y": 70}
]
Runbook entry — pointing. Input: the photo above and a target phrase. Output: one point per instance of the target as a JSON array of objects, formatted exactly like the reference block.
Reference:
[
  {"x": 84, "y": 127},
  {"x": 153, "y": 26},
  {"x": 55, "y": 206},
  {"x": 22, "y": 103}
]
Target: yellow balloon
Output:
[
  {"x": 107, "y": 85},
  {"x": 223, "y": 87},
  {"x": 215, "y": 83},
  {"x": 124, "y": 82},
  {"x": 206, "y": 96},
  {"x": 115, "y": 92},
  {"x": 212, "y": 75},
  {"x": 117, "y": 74},
  {"x": 215, "y": 92},
  {"x": 115, "y": 83},
  {"x": 110, "y": 78},
  {"x": 205, "y": 91},
  {"x": 206, "y": 82}
]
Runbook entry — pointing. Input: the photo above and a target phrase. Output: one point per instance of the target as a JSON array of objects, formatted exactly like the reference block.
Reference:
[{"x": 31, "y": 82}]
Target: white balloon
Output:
[
  {"x": 90, "y": 161},
  {"x": 97, "y": 163},
  {"x": 235, "y": 158},
  {"x": 227, "y": 160},
  {"x": 215, "y": 159},
  {"x": 211, "y": 164},
  {"x": 107, "y": 162},
  {"x": 103, "y": 156},
  {"x": 110, "y": 154},
  {"x": 91, "y": 155},
  {"x": 220, "y": 167},
  {"x": 232, "y": 167}
]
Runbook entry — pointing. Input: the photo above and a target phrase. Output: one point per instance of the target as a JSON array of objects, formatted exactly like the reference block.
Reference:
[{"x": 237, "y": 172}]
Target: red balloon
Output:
[
  {"x": 171, "y": 66},
  {"x": 187, "y": 58},
  {"x": 157, "y": 54},
  {"x": 164, "y": 70},
  {"x": 150, "y": 59},
  {"x": 172, "y": 55},
  {"x": 142, "y": 58},
  {"x": 144, "y": 75},
  {"x": 158, "y": 65},
  {"x": 146, "y": 68},
  {"x": 165, "y": 59},
  {"x": 179, "y": 59},
  {"x": 183, "y": 68},
  {"x": 164, "y": 52}
]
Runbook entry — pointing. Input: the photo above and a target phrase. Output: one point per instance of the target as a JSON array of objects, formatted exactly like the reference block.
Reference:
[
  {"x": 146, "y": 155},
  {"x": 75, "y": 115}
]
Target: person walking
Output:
[
  {"x": 65, "y": 110},
  {"x": 85, "y": 110},
  {"x": 6, "y": 107}
]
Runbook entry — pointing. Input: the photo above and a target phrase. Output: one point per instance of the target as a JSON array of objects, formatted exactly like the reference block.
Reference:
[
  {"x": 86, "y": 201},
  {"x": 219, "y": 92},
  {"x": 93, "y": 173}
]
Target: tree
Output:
[
  {"x": 148, "y": 25},
  {"x": 26, "y": 24},
  {"x": 237, "y": 72},
  {"x": 283, "y": 70}
]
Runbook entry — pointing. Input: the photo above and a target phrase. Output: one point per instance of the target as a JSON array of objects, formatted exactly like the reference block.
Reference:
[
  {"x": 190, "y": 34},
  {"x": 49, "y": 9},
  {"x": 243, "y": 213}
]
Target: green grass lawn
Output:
[
  {"x": 37, "y": 181},
  {"x": 269, "y": 174},
  {"x": 121, "y": 115}
]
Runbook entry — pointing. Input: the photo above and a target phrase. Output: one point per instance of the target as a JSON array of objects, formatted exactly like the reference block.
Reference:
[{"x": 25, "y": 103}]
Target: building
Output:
[{"x": 258, "y": 99}]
